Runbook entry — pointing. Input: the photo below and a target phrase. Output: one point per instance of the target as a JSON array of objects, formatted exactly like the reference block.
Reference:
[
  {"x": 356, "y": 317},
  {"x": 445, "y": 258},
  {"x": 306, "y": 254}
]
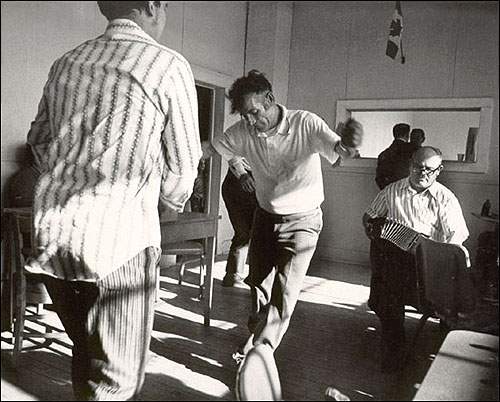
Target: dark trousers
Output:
[
  {"x": 281, "y": 249},
  {"x": 393, "y": 285},
  {"x": 110, "y": 323},
  {"x": 240, "y": 206}
]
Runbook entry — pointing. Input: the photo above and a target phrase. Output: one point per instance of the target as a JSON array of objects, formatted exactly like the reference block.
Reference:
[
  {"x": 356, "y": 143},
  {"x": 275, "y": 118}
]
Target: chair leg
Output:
[
  {"x": 49, "y": 340},
  {"x": 182, "y": 267},
  {"x": 420, "y": 327},
  {"x": 157, "y": 286},
  {"x": 19, "y": 318},
  {"x": 202, "y": 277}
]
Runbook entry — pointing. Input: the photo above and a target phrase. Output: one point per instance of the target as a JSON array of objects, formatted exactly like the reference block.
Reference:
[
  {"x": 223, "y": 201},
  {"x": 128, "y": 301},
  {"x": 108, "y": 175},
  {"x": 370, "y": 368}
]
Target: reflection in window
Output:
[{"x": 447, "y": 130}]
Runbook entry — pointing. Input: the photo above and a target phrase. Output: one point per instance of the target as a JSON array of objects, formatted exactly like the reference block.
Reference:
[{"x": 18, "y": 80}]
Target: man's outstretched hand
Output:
[{"x": 352, "y": 133}]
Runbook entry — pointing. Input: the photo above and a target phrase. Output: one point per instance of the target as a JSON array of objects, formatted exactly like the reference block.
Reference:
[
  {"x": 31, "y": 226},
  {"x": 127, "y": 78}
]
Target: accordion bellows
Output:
[{"x": 398, "y": 234}]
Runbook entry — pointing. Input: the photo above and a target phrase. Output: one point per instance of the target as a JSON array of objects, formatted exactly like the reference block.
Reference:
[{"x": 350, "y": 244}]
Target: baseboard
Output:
[
  {"x": 343, "y": 255},
  {"x": 333, "y": 254}
]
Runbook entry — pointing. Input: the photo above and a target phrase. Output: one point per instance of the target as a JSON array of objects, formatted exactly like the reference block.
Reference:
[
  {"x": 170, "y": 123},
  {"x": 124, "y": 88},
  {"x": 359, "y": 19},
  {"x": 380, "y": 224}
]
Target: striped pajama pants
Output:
[{"x": 110, "y": 323}]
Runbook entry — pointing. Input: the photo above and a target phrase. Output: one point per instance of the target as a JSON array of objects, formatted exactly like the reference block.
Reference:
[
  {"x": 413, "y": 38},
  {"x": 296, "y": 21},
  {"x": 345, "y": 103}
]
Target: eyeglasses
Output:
[{"x": 425, "y": 170}]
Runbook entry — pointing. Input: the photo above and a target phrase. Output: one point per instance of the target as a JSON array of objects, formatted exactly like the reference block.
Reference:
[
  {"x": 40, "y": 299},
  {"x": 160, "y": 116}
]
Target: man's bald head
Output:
[
  {"x": 426, "y": 164},
  {"x": 427, "y": 152}
]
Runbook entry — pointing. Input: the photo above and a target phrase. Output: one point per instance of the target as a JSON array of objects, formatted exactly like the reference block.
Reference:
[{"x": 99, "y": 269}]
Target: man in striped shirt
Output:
[
  {"x": 421, "y": 203},
  {"x": 116, "y": 135},
  {"x": 283, "y": 148}
]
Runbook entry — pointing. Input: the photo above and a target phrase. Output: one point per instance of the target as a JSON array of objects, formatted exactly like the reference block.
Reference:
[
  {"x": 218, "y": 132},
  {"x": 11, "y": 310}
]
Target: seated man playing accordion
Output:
[{"x": 416, "y": 205}]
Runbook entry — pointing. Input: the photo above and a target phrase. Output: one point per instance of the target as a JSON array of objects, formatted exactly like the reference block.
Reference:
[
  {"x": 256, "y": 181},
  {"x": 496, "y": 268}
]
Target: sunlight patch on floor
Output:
[
  {"x": 196, "y": 381},
  {"x": 327, "y": 291},
  {"x": 185, "y": 314},
  {"x": 218, "y": 271},
  {"x": 165, "y": 336},
  {"x": 365, "y": 394},
  {"x": 20, "y": 395},
  {"x": 213, "y": 362}
]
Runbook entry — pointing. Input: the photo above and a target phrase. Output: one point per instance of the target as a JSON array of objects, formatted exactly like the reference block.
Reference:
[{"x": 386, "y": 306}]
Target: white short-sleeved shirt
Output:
[{"x": 286, "y": 165}]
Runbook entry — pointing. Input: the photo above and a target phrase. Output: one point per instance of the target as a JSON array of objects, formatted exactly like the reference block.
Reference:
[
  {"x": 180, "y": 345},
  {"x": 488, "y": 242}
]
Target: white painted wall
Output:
[
  {"x": 268, "y": 43},
  {"x": 338, "y": 52}
]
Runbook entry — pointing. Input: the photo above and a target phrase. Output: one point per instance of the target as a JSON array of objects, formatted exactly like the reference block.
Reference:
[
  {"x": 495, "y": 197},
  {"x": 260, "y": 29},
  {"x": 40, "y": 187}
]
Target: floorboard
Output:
[{"x": 333, "y": 340}]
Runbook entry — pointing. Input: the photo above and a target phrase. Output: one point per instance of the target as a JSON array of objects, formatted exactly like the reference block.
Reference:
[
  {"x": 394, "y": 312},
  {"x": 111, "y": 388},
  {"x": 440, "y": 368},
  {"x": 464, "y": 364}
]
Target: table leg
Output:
[
  {"x": 8, "y": 268},
  {"x": 207, "y": 297}
]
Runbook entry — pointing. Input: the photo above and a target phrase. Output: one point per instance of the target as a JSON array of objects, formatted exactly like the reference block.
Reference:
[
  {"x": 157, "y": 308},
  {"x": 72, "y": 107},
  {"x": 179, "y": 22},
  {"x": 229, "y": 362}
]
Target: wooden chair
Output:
[
  {"x": 27, "y": 289},
  {"x": 444, "y": 283},
  {"x": 186, "y": 252}
]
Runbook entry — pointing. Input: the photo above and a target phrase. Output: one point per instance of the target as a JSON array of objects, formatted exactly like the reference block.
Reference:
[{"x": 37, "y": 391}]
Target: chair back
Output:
[{"x": 444, "y": 281}]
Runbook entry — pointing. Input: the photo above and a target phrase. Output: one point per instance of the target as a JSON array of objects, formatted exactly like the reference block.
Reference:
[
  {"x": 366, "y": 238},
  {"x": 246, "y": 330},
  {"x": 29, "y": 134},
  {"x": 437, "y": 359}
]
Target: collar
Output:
[
  {"x": 283, "y": 126},
  {"x": 123, "y": 28},
  {"x": 431, "y": 190}
]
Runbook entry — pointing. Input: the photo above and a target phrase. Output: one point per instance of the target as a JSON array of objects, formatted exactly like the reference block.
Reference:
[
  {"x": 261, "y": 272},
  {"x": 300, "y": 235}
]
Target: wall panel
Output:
[{"x": 338, "y": 52}]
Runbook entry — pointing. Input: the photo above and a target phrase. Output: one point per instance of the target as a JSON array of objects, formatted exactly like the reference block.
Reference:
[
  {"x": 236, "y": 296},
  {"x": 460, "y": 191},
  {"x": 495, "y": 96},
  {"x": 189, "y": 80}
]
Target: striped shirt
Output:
[
  {"x": 286, "y": 166},
  {"x": 116, "y": 129},
  {"x": 435, "y": 212}
]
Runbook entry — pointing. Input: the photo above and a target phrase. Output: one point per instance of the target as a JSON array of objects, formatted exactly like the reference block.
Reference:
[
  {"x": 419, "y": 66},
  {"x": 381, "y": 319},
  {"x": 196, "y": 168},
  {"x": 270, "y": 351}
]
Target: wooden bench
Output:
[{"x": 465, "y": 369}]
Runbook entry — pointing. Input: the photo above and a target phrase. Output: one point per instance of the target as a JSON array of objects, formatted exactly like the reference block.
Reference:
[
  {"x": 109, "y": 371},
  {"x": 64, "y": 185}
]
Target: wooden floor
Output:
[{"x": 333, "y": 340}]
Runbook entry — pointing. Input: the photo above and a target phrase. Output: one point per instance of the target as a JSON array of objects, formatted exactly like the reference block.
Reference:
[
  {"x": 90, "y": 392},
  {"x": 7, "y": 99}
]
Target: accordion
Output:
[{"x": 400, "y": 235}]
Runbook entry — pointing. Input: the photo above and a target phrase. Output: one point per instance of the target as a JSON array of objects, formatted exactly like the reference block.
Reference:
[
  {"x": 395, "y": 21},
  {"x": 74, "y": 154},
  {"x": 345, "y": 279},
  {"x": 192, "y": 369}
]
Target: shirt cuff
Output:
[
  {"x": 237, "y": 167},
  {"x": 176, "y": 190},
  {"x": 371, "y": 213},
  {"x": 343, "y": 151}
]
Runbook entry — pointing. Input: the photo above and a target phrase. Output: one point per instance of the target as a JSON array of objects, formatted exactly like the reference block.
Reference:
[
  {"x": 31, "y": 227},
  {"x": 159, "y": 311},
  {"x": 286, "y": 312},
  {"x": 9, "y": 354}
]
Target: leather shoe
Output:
[{"x": 231, "y": 280}]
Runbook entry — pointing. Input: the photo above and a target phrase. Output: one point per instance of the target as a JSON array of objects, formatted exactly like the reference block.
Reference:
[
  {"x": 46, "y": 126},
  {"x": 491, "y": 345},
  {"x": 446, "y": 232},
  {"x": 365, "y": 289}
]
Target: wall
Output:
[
  {"x": 268, "y": 43},
  {"x": 34, "y": 34},
  {"x": 211, "y": 35},
  {"x": 338, "y": 52}
]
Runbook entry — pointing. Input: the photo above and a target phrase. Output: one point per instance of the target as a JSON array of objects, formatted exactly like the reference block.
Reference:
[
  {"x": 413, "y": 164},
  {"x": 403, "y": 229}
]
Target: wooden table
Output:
[
  {"x": 490, "y": 219},
  {"x": 186, "y": 226},
  {"x": 488, "y": 270},
  {"x": 191, "y": 226},
  {"x": 465, "y": 369}
]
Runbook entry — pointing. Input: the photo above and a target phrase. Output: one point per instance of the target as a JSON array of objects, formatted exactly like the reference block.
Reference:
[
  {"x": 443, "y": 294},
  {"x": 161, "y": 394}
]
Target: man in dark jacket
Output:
[{"x": 393, "y": 162}]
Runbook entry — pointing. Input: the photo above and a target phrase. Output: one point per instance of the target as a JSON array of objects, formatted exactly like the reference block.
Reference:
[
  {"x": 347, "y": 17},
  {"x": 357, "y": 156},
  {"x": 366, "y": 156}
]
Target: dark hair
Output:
[
  {"x": 401, "y": 130},
  {"x": 417, "y": 133},
  {"x": 254, "y": 82},
  {"x": 115, "y": 9}
]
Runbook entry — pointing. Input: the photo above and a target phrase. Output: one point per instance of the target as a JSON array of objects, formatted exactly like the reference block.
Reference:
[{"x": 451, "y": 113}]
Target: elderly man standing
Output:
[
  {"x": 283, "y": 149},
  {"x": 421, "y": 203},
  {"x": 116, "y": 135}
]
